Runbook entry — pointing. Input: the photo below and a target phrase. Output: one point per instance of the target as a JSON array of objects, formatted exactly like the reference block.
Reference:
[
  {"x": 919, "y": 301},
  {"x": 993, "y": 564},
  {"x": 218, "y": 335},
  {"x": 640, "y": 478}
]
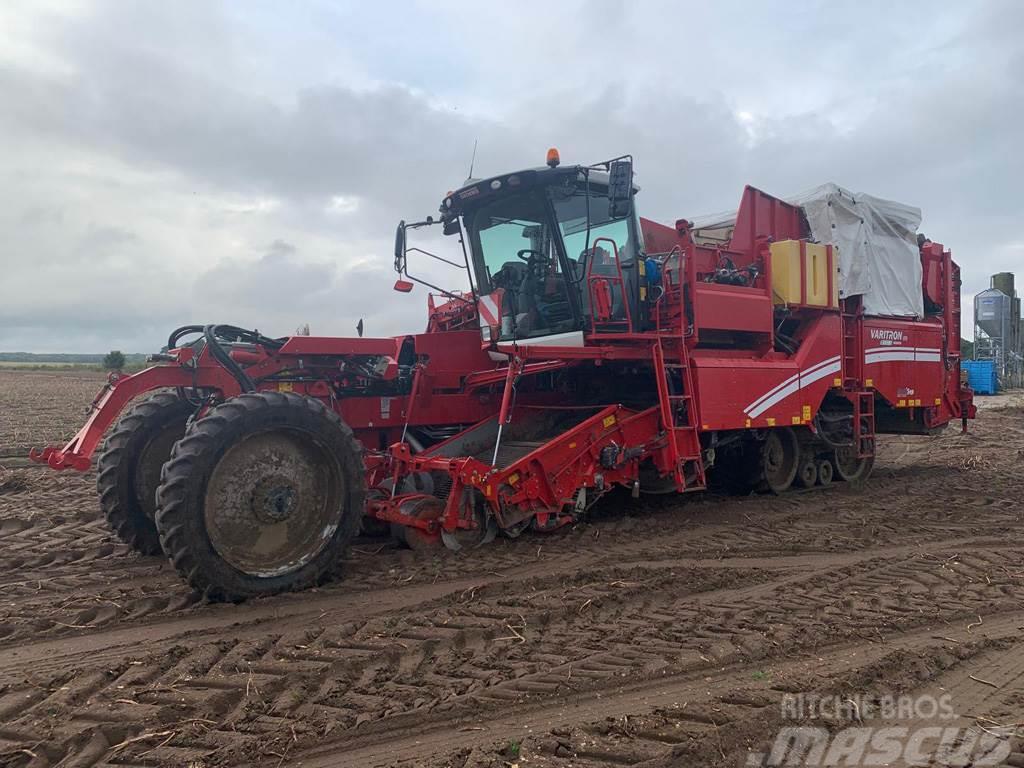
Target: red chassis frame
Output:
[{"x": 307, "y": 365}]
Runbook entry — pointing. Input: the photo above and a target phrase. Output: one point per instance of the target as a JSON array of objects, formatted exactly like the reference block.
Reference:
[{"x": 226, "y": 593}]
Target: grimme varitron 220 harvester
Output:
[{"x": 593, "y": 349}]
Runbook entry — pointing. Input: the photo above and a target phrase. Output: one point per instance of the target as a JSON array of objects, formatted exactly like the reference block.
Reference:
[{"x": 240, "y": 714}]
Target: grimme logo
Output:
[
  {"x": 917, "y": 731},
  {"x": 887, "y": 337}
]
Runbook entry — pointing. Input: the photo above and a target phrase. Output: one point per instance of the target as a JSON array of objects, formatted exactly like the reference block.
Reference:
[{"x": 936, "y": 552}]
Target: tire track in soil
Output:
[
  {"x": 458, "y": 656},
  {"x": 410, "y": 641},
  {"x": 689, "y": 720}
]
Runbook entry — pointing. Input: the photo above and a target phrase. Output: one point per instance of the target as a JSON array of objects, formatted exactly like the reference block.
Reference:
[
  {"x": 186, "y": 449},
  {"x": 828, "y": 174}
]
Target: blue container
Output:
[{"x": 981, "y": 376}]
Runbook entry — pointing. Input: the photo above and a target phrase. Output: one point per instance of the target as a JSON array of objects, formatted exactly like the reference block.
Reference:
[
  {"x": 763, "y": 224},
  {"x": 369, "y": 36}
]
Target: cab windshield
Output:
[
  {"x": 530, "y": 257},
  {"x": 520, "y": 267}
]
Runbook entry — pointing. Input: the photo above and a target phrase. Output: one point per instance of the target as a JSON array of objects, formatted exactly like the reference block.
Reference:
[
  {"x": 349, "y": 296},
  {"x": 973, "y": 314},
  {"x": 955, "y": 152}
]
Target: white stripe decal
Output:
[
  {"x": 793, "y": 384},
  {"x": 895, "y": 356},
  {"x": 891, "y": 348},
  {"x": 903, "y": 354},
  {"x": 790, "y": 380},
  {"x": 809, "y": 378},
  {"x": 778, "y": 397},
  {"x": 832, "y": 365}
]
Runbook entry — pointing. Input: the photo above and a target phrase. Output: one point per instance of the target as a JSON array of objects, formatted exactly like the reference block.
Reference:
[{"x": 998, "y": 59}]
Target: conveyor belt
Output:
[{"x": 509, "y": 452}]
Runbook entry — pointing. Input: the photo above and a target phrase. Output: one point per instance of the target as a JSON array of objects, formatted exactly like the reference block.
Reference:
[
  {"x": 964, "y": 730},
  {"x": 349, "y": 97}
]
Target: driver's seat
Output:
[{"x": 515, "y": 271}]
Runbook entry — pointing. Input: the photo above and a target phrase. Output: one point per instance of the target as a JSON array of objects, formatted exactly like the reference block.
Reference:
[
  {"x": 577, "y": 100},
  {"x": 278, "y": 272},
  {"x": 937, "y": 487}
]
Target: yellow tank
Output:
[{"x": 786, "y": 274}]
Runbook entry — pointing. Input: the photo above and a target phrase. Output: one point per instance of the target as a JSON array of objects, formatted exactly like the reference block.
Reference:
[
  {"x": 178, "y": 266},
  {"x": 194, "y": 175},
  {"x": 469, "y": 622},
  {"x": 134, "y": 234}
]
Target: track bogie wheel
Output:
[
  {"x": 780, "y": 456},
  {"x": 825, "y": 472},
  {"x": 807, "y": 472},
  {"x": 129, "y": 464},
  {"x": 262, "y": 495}
]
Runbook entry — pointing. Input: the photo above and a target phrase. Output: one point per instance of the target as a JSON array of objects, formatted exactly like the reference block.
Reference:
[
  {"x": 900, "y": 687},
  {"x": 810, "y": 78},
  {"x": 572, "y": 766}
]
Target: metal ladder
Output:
[
  {"x": 853, "y": 379},
  {"x": 853, "y": 352},
  {"x": 864, "y": 423},
  {"x": 683, "y": 438}
]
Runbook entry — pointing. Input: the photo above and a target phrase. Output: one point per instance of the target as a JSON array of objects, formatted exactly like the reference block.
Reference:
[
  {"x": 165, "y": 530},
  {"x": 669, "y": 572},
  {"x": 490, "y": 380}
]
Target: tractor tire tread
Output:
[
  {"x": 129, "y": 524},
  {"x": 176, "y": 520}
]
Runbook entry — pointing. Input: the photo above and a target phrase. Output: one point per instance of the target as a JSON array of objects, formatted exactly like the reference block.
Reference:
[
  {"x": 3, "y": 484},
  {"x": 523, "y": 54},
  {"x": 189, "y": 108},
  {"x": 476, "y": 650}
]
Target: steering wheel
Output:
[{"x": 536, "y": 263}]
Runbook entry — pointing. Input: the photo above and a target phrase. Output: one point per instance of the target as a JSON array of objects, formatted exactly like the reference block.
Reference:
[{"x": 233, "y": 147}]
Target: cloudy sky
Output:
[{"x": 246, "y": 162}]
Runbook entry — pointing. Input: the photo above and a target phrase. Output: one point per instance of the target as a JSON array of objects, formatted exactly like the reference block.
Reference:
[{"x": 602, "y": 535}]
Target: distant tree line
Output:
[{"x": 66, "y": 358}]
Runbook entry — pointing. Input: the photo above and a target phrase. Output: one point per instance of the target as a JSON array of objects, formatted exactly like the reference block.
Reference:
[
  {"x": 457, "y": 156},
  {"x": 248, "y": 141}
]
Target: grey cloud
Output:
[{"x": 145, "y": 139}]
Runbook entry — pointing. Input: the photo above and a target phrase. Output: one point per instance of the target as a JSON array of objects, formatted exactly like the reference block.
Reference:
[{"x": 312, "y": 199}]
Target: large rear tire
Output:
[
  {"x": 262, "y": 495},
  {"x": 128, "y": 468}
]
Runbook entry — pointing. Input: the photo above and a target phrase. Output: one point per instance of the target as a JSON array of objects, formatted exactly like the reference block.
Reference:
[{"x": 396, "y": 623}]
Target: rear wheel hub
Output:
[
  {"x": 274, "y": 500},
  {"x": 273, "y": 503}
]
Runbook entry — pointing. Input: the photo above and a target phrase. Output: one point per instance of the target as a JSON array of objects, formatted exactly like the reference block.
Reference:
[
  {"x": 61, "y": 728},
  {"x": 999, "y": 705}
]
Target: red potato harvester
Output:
[{"x": 594, "y": 348}]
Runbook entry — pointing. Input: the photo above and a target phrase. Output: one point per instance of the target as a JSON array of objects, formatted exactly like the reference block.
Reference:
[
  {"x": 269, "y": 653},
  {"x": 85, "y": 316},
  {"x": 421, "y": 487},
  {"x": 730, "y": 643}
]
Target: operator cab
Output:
[{"x": 554, "y": 252}]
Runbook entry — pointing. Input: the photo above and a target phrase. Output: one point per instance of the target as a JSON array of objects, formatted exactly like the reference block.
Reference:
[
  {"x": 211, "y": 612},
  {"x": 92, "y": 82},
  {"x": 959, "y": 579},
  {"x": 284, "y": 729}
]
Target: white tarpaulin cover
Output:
[{"x": 877, "y": 244}]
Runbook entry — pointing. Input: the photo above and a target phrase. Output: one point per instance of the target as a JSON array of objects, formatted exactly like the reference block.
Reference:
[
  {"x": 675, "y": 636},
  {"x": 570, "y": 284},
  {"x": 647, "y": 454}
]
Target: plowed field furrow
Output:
[{"x": 660, "y": 632}]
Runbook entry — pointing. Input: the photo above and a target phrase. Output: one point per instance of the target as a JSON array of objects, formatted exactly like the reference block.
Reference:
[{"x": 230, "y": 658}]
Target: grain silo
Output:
[{"x": 998, "y": 328}]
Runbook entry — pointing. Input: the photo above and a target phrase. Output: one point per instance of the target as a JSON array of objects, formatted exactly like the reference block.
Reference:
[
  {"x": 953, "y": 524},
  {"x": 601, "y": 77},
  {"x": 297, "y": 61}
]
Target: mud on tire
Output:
[
  {"x": 262, "y": 495},
  {"x": 128, "y": 469}
]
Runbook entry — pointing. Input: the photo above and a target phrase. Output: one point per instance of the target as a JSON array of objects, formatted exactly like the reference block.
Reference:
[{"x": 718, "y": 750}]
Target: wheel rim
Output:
[
  {"x": 779, "y": 460},
  {"x": 825, "y": 472},
  {"x": 273, "y": 502}
]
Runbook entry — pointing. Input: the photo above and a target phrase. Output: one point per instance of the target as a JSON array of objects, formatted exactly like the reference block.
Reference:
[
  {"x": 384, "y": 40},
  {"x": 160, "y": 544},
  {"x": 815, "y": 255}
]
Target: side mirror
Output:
[
  {"x": 620, "y": 188},
  {"x": 400, "y": 246},
  {"x": 403, "y": 286}
]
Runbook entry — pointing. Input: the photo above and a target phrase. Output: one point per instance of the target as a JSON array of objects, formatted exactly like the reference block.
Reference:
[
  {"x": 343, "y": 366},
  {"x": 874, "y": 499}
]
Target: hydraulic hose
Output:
[
  {"x": 178, "y": 333},
  {"x": 221, "y": 356},
  {"x": 213, "y": 335},
  {"x": 823, "y": 433}
]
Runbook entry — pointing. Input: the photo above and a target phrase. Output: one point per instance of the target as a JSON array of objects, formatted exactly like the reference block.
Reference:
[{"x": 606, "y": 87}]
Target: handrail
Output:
[{"x": 592, "y": 281}]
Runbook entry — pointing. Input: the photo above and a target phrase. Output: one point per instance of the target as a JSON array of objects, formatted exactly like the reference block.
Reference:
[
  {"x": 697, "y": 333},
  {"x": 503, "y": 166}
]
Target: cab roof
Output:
[{"x": 477, "y": 190}]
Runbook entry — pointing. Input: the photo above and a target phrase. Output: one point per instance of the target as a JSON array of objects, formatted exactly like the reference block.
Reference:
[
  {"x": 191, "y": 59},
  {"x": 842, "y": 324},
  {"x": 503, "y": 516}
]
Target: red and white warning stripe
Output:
[{"x": 490, "y": 307}]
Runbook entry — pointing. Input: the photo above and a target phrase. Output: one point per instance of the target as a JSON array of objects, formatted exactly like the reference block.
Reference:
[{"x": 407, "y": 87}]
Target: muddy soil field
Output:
[{"x": 656, "y": 634}]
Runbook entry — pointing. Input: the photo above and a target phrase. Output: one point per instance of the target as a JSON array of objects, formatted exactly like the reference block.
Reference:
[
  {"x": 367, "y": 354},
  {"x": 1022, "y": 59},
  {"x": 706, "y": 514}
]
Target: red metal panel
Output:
[
  {"x": 452, "y": 355},
  {"x": 731, "y": 308},
  {"x": 762, "y": 216},
  {"x": 904, "y": 361},
  {"x": 658, "y": 238},
  {"x": 744, "y": 392},
  {"x": 325, "y": 345}
]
